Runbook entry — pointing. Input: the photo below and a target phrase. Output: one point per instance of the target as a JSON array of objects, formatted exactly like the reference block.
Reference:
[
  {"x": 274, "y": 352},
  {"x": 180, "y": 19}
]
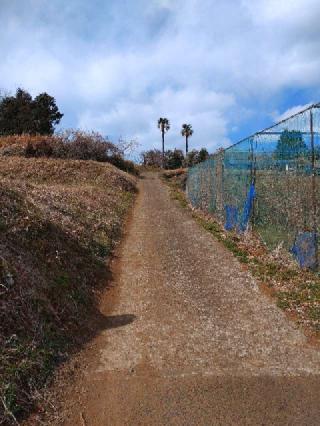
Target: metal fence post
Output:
[{"x": 313, "y": 192}]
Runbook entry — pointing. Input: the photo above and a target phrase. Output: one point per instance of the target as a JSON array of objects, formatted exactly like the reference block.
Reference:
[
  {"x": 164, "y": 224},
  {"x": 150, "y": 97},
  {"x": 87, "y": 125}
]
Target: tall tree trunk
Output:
[
  {"x": 163, "y": 149},
  {"x": 186, "y": 145}
]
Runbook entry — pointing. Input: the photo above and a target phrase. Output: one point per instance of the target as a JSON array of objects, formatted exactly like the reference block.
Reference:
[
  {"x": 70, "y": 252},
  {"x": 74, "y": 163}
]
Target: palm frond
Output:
[
  {"x": 186, "y": 130},
  {"x": 163, "y": 124}
]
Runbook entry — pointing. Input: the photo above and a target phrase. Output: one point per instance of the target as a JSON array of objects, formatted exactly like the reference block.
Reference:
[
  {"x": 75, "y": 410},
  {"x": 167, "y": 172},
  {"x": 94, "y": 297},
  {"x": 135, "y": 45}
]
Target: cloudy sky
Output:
[{"x": 228, "y": 67}]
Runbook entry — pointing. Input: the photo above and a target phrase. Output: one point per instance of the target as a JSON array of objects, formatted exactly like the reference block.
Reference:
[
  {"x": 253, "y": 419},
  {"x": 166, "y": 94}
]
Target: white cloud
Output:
[
  {"x": 118, "y": 66},
  {"x": 291, "y": 111},
  {"x": 205, "y": 110}
]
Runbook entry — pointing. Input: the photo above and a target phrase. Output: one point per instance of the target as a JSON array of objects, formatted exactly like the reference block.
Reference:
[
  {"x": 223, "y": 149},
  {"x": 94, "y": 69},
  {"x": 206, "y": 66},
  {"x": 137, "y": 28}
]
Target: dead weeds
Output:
[
  {"x": 60, "y": 220},
  {"x": 297, "y": 291}
]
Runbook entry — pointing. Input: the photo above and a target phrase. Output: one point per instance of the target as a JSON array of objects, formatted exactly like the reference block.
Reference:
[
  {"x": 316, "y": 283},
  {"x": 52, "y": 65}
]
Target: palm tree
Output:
[
  {"x": 186, "y": 131},
  {"x": 164, "y": 126}
]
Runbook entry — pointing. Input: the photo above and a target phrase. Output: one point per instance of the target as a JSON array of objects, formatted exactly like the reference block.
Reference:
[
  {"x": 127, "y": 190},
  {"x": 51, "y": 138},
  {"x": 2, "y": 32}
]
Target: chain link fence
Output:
[{"x": 268, "y": 181}]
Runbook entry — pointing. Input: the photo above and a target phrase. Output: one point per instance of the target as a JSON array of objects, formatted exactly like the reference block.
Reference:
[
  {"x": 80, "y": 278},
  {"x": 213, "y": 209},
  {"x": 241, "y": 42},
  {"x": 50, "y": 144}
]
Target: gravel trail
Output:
[{"x": 189, "y": 339}]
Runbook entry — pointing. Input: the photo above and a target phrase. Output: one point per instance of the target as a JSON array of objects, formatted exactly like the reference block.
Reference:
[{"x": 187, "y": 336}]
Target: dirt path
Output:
[{"x": 190, "y": 339}]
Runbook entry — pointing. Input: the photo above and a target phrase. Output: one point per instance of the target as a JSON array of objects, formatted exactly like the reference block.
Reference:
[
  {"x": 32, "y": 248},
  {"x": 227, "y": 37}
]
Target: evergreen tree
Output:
[
  {"x": 174, "y": 159},
  {"x": 45, "y": 114},
  {"x": 203, "y": 155},
  {"x": 194, "y": 157},
  {"x": 290, "y": 145},
  {"x": 21, "y": 114}
]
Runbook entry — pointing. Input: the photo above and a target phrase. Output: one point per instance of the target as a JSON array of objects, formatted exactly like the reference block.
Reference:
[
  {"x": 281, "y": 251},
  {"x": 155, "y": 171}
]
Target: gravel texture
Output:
[{"x": 189, "y": 339}]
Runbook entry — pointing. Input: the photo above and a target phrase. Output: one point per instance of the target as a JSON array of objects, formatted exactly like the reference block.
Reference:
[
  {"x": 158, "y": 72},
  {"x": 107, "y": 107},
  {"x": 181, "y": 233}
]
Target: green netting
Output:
[{"x": 269, "y": 180}]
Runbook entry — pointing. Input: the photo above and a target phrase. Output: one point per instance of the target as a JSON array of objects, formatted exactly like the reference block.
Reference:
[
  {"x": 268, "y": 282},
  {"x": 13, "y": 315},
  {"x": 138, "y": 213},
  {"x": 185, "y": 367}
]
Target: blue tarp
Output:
[
  {"x": 247, "y": 208},
  {"x": 232, "y": 220},
  {"x": 231, "y": 217},
  {"x": 304, "y": 249}
]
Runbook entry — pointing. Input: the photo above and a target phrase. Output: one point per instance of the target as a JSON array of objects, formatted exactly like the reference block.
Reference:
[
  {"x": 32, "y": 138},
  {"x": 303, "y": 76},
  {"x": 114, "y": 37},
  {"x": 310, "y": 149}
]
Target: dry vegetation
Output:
[
  {"x": 297, "y": 291},
  {"x": 177, "y": 177},
  {"x": 59, "y": 221},
  {"x": 70, "y": 144}
]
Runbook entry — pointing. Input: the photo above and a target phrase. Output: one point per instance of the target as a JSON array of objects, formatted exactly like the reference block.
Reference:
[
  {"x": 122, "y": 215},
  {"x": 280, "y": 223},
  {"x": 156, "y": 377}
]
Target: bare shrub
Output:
[
  {"x": 70, "y": 144},
  {"x": 87, "y": 146}
]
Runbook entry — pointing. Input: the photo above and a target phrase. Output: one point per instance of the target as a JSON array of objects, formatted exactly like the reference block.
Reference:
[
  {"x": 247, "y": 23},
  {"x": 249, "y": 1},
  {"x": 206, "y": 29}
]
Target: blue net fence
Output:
[{"x": 268, "y": 182}]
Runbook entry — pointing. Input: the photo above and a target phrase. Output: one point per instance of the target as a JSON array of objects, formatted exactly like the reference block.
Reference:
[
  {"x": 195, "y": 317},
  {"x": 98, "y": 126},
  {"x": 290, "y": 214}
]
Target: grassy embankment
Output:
[
  {"x": 297, "y": 291},
  {"x": 59, "y": 221}
]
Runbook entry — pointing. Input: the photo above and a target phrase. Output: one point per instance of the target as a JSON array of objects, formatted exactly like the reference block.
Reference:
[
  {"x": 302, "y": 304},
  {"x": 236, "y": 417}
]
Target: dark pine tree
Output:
[
  {"x": 22, "y": 114},
  {"x": 291, "y": 145},
  {"x": 45, "y": 114}
]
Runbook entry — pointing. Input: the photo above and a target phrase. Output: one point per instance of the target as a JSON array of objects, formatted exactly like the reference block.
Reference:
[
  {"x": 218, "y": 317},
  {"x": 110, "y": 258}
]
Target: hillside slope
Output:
[
  {"x": 193, "y": 340},
  {"x": 59, "y": 221}
]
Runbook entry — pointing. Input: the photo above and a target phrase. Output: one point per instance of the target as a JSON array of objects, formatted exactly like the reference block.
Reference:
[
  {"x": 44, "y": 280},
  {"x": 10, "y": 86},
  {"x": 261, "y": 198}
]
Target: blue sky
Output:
[{"x": 228, "y": 67}]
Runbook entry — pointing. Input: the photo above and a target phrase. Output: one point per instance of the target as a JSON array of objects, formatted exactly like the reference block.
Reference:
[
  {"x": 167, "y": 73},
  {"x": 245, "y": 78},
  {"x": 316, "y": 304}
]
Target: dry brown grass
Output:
[
  {"x": 175, "y": 172},
  {"x": 17, "y": 144},
  {"x": 59, "y": 221},
  {"x": 70, "y": 144},
  {"x": 22, "y": 140},
  {"x": 176, "y": 177},
  {"x": 297, "y": 291}
]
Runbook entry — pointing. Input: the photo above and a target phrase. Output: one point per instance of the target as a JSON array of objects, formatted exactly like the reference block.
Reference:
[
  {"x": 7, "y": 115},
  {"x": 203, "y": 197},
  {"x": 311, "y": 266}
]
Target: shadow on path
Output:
[{"x": 115, "y": 321}]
